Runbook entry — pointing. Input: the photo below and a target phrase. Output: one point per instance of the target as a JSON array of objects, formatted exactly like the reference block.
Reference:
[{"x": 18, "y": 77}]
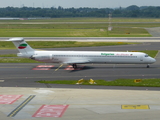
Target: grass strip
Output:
[
  {"x": 17, "y": 60},
  {"x": 74, "y": 26},
  {"x": 118, "y": 82},
  {"x": 76, "y": 32},
  {"x": 61, "y": 44},
  {"x": 8, "y": 55}
]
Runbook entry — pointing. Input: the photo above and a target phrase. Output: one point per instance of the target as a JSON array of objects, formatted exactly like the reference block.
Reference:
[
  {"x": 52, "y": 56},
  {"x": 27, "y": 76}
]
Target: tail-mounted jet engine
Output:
[{"x": 41, "y": 57}]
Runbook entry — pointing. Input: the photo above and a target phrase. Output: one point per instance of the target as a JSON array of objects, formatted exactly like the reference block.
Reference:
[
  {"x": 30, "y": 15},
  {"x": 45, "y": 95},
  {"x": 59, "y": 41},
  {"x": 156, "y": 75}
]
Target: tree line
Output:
[{"x": 131, "y": 11}]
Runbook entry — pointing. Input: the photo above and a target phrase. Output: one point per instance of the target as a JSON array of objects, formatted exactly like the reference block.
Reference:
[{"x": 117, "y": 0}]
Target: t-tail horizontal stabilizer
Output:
[{"x": 24, "y": 49}]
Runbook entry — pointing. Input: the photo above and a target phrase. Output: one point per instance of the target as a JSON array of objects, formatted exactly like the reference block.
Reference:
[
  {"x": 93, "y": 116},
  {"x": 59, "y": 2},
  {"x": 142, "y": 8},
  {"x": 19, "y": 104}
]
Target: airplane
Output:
[{"x": 81, "y": 57}]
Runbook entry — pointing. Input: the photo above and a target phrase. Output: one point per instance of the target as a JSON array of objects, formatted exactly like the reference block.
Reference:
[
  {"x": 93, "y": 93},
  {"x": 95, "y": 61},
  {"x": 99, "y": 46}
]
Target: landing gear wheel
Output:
[
  {"x": 74, "y": 66},
  {"x": 148, "y": 66}
]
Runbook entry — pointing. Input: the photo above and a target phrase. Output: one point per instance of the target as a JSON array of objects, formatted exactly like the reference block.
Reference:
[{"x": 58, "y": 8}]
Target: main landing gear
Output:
[
  {"x": 74, "y": 66},
  {"x": 148, "y": 66}
]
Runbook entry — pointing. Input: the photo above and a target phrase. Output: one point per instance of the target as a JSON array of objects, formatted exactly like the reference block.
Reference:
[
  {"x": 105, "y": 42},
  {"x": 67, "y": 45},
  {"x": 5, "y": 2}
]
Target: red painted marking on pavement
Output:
[
  {"x": 51, "y": 111},
  {"x": 9, "y": 99},
  {"x": 41, "y": 68},
  {"x": 71, "y": 68},
  {"x": 45, "y": 66}
]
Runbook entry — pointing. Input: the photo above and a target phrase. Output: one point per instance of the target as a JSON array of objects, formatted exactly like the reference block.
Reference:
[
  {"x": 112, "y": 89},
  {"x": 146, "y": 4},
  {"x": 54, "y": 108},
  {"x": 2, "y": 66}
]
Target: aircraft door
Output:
[
  {"x": 50, "y": 57},
  {"x": 141, "y": 58}
]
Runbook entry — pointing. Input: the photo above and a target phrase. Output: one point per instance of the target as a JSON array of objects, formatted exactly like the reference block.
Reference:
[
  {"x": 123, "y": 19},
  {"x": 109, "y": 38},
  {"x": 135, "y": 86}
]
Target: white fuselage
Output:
[
  {"x": 81, "y": 57},
  {"x": 78, "y": 57}
]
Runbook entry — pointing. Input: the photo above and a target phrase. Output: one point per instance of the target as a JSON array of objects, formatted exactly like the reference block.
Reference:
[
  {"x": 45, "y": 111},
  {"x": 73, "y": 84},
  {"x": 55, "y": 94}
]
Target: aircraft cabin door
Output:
[
  {"x": 141, "y": 58},
  {"x": 50, "y": 57}
]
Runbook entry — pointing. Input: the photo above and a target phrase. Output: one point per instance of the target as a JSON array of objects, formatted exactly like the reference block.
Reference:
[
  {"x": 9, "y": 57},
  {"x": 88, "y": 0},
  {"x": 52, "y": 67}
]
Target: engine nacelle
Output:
[{"x": 41, "y": 57}]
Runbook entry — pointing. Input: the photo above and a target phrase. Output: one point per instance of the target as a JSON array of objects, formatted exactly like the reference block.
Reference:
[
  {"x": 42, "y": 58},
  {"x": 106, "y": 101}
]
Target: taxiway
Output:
[{"x": 23, "y": 75}]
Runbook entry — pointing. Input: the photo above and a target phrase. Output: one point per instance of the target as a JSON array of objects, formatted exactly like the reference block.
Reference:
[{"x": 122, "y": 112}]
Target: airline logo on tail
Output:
[{"x": 22, "y": 46}]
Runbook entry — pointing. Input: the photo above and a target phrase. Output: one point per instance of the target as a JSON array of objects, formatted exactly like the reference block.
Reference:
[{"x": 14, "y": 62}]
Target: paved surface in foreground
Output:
[{"x": 84, "y": 104}]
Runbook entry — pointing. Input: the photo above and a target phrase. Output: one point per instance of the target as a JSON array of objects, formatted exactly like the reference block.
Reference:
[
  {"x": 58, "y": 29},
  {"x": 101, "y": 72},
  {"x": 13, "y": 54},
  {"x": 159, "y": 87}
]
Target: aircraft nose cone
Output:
[{"x": 153, "y": 60}]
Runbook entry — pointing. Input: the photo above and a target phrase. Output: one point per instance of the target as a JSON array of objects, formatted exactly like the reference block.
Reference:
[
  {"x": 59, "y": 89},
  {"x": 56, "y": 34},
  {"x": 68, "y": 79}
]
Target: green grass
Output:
[
  {"x": 8, "y": 55},
  {"x": 128, "y": 32},
  {"x": 60, "y": 44},
  {"x": 6, "y": 45},
  {"x": 134, "y": 32},
  {"x": 73, "y": 44},
  {"x": 118, "y": 82},
  {"x": 77, "y": 27},
  {"x": 52, "y": 33},
  {"x": 17, "y": 60}
]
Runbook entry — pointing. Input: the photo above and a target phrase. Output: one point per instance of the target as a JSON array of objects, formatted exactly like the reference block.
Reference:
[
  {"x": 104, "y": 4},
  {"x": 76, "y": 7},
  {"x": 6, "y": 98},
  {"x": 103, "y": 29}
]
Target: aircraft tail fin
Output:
[{"x": 22, "y": 46}]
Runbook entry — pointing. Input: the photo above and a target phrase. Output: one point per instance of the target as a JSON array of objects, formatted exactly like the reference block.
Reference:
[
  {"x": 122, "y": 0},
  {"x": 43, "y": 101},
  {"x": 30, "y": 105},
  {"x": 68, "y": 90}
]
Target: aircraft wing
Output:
[{"x": 76, "y": 61}]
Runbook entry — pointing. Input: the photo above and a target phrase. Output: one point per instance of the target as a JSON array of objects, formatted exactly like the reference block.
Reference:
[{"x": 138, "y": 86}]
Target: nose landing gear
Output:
[
  {"x": 148, "y": 66},
  {"x": 74, "y": 66}
]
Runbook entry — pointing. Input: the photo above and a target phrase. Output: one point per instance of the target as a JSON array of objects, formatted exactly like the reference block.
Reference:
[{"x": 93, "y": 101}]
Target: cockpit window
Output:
[{"x": 146, "y": 55}]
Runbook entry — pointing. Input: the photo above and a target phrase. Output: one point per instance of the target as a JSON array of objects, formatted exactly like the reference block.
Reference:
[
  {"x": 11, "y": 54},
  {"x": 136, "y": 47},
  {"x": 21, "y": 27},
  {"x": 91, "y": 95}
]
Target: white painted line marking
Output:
[{"x": 1, "y": 80}]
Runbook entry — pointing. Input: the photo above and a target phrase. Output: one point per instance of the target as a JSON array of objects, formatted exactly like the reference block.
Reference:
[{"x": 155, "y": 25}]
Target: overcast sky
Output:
[{"x": 78, "y": 3}]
